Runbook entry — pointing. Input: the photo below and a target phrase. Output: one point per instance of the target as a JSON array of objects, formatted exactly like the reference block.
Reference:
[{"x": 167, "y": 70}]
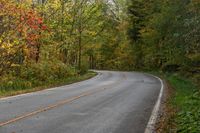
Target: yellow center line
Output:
[
  {"x": 55, "y": 105},
  {"x": 45, "y": 109}
]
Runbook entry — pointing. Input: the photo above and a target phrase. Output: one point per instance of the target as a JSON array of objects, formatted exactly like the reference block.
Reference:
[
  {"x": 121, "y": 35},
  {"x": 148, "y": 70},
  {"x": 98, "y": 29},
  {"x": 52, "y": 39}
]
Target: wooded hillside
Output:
[{"x": 57, "y": 38}]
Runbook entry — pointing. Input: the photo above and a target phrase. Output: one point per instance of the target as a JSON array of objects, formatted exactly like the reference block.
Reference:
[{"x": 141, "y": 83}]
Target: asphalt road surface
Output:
[{"x": 111, "y": 102}]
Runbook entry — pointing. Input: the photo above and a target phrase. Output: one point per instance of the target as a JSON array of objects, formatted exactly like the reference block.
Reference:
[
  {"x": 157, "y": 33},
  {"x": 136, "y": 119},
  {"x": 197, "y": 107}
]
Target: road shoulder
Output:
[{"x": 70, "y": 80}]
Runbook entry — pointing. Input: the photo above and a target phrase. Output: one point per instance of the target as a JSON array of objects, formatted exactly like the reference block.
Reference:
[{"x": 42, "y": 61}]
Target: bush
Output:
[
  {"x": 84, "y": 69},
  {"x": 35, "y": 75},
  {"x": 47, "y": 71},
  {"x": 187, "y": 102},
  {"x": 188, "y": 119},
  {"x": 170, "y": 68}
]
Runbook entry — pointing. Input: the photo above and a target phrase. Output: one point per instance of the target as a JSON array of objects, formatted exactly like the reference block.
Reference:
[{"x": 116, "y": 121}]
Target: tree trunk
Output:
[{"x": 80, "y": 50}]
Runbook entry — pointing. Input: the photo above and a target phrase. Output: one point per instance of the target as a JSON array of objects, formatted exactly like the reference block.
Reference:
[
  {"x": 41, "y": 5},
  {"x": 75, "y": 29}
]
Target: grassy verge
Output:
[
  {"x": 186, "y": 102},
  {"x": 20, "y": 88},
  {"x": 181, "y": 111}
]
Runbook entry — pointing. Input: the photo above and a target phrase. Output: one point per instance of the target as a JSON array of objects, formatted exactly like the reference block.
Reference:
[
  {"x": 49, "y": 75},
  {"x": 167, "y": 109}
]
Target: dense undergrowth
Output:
[
  {"x": 40, "y": 76},
  {"x": 186, "y": 103}
]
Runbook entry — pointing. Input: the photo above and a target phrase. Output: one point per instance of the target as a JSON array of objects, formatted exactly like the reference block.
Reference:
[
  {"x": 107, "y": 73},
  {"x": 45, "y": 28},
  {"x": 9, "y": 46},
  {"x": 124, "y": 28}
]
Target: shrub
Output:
[
  {"x": 35, "y": 75},
  {"x": 83, "y": 69}
]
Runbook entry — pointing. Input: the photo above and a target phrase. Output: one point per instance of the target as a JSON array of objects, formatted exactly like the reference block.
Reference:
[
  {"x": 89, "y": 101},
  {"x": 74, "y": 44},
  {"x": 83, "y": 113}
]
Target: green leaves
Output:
[
  {"x": 187, "y": 102},
  {"x": 188, "y": 119}
]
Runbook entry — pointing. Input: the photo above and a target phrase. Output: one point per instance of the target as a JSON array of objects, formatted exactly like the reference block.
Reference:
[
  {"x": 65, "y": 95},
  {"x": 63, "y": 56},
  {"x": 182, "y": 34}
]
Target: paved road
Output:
[{"x": 112, "y": 102}]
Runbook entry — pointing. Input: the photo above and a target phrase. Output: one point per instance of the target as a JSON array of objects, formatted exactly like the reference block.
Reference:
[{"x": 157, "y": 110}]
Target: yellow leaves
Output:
[
  {"x": 55, "y": 4},
  {"x": 92, "y": 33},
  {"x": 9, "y": 47},
  {"x": 26, "y": 51}
]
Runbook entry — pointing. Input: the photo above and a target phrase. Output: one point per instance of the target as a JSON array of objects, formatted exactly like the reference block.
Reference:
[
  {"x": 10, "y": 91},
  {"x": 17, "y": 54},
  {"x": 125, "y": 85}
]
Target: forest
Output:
[{"x": 49, "y": 41}]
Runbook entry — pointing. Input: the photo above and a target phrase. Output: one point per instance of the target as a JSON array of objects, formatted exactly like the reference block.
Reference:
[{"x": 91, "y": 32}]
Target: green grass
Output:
[
  {"x": 186, "y": 101},
  {"x": 20, "y": 86}
]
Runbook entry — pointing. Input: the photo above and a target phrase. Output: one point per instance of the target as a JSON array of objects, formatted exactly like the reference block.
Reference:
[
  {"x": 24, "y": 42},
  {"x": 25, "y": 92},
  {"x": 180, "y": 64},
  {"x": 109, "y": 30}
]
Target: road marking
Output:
[
  {"x": 60, "y": 103},
  {"x": 54, "y": 88},
  {"x": 45, "y": 108},
  {"x": 150, "y": 128}
]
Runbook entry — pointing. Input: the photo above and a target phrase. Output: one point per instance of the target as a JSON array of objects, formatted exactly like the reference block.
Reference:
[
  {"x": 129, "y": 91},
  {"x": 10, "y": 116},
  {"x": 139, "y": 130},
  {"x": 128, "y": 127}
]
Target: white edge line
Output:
[
  {"x": 150, "y": 128},
  {"x": 154, "y": 114},
  {"x": 30, "y": 93}
]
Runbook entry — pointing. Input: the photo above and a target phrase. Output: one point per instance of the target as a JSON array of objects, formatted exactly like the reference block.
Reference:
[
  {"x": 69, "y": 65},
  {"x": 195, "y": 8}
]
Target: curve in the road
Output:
[{"x": 117, "y": 102}]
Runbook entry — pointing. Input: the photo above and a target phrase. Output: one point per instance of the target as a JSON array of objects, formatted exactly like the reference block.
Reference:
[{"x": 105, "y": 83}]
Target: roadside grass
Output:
[
  {"x": 182, "y": 108},
  {"x": 186, "y": 102},
  {"x": 20, "y": 86}
]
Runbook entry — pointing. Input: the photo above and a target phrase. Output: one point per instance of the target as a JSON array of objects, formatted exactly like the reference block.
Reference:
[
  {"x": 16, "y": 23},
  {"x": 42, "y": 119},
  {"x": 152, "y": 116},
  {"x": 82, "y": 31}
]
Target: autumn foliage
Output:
[{"x": 21, "y": 30}]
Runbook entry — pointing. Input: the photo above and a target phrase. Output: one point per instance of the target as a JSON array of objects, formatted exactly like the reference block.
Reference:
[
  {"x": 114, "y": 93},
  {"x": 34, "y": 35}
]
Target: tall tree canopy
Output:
[{"x": 102, "y": 34}]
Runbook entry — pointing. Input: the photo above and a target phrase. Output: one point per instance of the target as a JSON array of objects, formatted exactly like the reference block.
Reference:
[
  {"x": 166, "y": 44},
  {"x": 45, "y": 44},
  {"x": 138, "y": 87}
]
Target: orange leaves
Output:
[
  {"x": 40, "y": 21},
  {"x": 32, "y": 37},
  {"x": 22, "y": 18},
  {"x": 21, "y": 23},
  {"x": 33, "y": 21},
  {"x": 31, "y": 26},
  {"x": 44, "y": 27}
]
